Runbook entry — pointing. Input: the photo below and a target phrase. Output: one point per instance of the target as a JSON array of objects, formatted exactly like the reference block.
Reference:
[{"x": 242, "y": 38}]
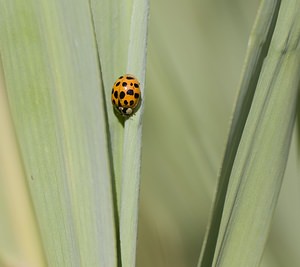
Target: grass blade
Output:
[
  {"x": 133, "y": 136},
  {"x": 127, "y": 35},
  {"x": 257, "y": 50},
  {"x": 260, "y": 161}
]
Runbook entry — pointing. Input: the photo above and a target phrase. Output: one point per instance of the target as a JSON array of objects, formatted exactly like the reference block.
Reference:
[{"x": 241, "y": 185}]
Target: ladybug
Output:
[{"x": 126, "y": 95}]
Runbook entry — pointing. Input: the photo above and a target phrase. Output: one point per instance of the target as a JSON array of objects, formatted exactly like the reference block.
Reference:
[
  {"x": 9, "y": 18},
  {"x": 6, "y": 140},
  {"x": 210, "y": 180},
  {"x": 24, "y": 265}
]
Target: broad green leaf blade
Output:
[
  {"x": 260, "y": 161},
  {"x": 55, "y": 94},
  {"x": 257, "y": 50},
  {"x": 20, "y": 241}
]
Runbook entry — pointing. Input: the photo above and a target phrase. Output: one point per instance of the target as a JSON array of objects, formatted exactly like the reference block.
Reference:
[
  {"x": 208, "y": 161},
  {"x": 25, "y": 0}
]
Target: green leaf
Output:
[
  {"x": 257, "y": 50},
  {"x": 133, "y": 136},
  {"x": 121, "y": 41},
  {"x": 261, "y": 153},
  {"x": 55, "y": 94}
]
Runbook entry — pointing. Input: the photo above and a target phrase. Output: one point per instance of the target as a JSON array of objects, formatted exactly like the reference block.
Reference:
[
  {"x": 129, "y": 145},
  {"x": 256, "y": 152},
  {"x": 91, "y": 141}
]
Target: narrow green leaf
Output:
[
  {"x": 257, "y": 50},
  {"x": 261, "y": 158},
  {"x": 122, "y": 42},
  {"x": 133, "y": 136}
]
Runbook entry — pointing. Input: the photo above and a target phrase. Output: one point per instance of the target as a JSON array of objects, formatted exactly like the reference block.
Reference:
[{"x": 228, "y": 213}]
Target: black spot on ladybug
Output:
[
  {"x": 112, "y": 91},
  {"x": 116, "y": 94},
  {"x": 131, "y": 102},
  {"x": 131, "y": 84},
  {"x": 114, "y": 102},
  {"x": 118, "y": 83},
  {"x": 122, "y": 95},
  {"x": 130, "y": 78},
  {"x": 119, "y": 104},
  {"x": 136, "y": 95},
  {"x": 130, "y": 92},
  {"x": 120, "y": 77},
  {"x": 124, "y": 84},
  {"x": 136, "y": 85},
  {"x": 125, "y": 102}
]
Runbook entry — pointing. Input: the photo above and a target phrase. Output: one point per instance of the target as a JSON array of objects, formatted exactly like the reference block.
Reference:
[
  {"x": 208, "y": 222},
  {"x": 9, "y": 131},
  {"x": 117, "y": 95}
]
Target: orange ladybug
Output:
[{"x": 126, "y": 95}]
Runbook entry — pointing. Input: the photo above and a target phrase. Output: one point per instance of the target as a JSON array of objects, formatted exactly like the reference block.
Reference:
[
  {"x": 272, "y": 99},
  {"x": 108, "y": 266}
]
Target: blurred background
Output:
[{"x": 196, "y": 50}]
